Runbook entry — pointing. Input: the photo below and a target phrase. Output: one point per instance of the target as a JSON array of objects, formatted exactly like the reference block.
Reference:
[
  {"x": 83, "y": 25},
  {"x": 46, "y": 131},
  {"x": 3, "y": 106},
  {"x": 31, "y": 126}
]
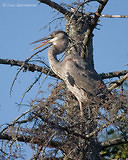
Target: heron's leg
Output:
[{"x": 81, "y": 109}]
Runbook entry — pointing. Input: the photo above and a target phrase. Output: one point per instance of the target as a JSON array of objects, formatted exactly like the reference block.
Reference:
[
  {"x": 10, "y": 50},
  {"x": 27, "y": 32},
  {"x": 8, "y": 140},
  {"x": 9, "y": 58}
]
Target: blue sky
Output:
[{"x": 22, "y": 24}]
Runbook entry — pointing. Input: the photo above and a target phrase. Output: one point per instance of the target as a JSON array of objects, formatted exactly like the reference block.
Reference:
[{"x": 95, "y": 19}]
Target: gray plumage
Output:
[{"x": 82, "y": 81}]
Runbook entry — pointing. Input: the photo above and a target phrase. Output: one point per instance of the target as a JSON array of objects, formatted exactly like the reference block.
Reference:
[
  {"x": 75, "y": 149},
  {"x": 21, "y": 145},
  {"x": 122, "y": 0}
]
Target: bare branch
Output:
[
  {"x": 113, "y": 74},
  {"x": 55, "y": 6},
  {"x": 28, "y": 66},
  {"x": 39, "y": 141},
  {"x": 61, "y": 128},
  {"x": 48, "y": 71},
  {"x": 27, "y": 60},
  {"x": 16, "y": 120},
  {"x": 118, "y": 83},
  {"x": 36, "y": 156},
  {"x": 29, "y": 88},
  {"x": 104, "y": 126},
  {"x": 94, "y": 23},
  {"x": 114, "y": 16},
  {"x": 29, "y": 139},
  {"x": 117, "y": 141}
]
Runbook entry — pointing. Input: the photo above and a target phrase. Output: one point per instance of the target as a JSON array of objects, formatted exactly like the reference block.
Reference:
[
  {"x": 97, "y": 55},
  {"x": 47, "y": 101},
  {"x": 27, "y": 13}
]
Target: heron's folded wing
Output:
[{"x": 79, "y": 74}]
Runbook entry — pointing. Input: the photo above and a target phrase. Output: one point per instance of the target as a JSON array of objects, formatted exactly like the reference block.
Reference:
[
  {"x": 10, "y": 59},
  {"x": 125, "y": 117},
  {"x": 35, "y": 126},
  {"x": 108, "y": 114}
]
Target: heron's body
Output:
[
  {"x": 75, "y": 72},
  {"x": 82, "y": 81}
]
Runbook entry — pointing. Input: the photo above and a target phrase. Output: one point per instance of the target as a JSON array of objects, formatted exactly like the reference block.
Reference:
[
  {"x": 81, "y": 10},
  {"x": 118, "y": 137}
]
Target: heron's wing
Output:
[{"x": 78, "y": 73}]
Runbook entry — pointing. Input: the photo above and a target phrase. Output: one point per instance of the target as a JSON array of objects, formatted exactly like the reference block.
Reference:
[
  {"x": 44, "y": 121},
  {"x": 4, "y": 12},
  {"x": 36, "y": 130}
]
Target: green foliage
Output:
[{"x": 120, "y": 151}]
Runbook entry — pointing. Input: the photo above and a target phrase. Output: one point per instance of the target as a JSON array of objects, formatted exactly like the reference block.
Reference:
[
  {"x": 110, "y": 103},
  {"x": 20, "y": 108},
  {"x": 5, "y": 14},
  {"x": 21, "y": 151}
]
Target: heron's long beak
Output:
[{"x": 45, "y": 41}]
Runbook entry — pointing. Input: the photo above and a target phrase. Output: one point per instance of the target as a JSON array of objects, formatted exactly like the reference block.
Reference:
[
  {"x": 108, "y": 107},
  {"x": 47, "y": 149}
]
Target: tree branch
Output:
[
  {"x": 117, "y": 141},
  {"x": 45, "y": 70},
  {"x": 114, "y": 16},
  {"x": 118, "y": 83},
  {"x": 113, "y": 74},
  {"x": 55, "y": 6},
  {"x": 28, "y": 66},
  {"x": 61, "y": 128},
  {"x": 94, "y": 23},
  {"x": 104, "y": 126},
  {"x": 29, "y": 139}
]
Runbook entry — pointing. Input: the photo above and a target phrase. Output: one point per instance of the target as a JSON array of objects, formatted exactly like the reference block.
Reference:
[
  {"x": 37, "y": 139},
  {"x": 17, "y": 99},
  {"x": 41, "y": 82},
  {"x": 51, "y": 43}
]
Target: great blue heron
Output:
[{"x": 82, "y": 81}]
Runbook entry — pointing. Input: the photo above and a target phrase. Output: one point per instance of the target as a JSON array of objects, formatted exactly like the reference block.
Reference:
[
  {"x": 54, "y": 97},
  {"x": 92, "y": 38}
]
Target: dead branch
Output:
[
  {"x": 16, "y": 120},
  {"x": 114, "y": 16},
  {"x": 113, "y": 142},
  {"x": 47, "y": 71},
  {"x": 113, "y": 74},
  {"x": 118, "y": 83},
  {"x": 29, "y": 88},
  {"x": 36, "y": 156},
  {"x": 21, "y": 67},
  {"x": 104, "y": 126},
  {"x": 56, "y": 6},
  {"x": 27, "y": 66},
  {"x": 93, "y": 24},
  {"x": 39, "y": 141},
  {"x": 61, "y": 128},
  {"x": 29, "y": 139},
  {"x": 97, "y": 15}
]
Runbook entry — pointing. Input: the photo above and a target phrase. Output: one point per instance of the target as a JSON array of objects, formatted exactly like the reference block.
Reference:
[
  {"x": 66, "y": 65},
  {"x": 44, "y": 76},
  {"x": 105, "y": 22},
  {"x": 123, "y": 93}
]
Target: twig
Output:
[
  {"x": 36, "y": 156},
  {"x": 22, "y": 66},
  {"x": 49, "y": 140},
  {"x": 82, "y": 4},
  {"x": 55, "y": 6},
  {"x": 118, "y": 83},
  {"x": 114, "y": 16},
  {"x": 42, "y": 82},
  {"x": 29, "y": 139},
  {"x": 51, "y": 22},
  {"x": 59, "y": 127},
  {"x": 16, "y": 78},
  {"x": 15, "y": 120},
  {"x": 3, "y": 152},
  {"x": 29, "y": 88},
  {"x": 103, "y": 126},
  {"x": 41, "y": 62}
]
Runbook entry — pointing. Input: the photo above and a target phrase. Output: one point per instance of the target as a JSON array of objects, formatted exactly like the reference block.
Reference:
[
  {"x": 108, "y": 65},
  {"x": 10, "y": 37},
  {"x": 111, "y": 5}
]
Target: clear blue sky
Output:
[{"x": 22, "y": 24}]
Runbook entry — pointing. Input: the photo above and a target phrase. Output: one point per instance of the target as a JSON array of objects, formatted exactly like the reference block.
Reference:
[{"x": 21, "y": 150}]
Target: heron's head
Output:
[{"x": 58, "y": 38}]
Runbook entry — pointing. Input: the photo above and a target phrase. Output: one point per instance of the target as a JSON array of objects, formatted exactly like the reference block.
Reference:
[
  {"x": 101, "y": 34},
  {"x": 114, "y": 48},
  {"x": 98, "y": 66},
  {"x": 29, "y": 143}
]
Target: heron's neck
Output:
[{"x": 53, "y": 61}]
